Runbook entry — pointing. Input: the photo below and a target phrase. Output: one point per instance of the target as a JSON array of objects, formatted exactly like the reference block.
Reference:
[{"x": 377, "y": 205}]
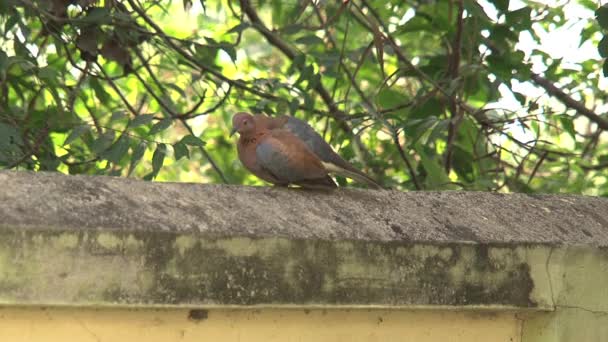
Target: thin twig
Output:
[
  {"x": 537, "y": 166},
  {"x": 407, "y": 162},
  {"x": 453, "y": 69},
  {"x": 206, "y": 154},
  {"x": 569, "y": 101},
  {"x": 76, "y": 89},
  {"x": 117, "y": 90}
]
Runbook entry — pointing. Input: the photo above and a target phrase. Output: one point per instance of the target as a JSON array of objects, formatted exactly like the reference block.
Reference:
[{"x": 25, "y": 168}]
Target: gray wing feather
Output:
[
  {"x": 314, "y": 141},
  {"x": 277, "y": 162}
]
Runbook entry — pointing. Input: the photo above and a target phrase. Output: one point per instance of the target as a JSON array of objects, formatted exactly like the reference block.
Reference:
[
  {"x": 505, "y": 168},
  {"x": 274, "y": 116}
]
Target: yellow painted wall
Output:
[{"x": 116, "y": 325}]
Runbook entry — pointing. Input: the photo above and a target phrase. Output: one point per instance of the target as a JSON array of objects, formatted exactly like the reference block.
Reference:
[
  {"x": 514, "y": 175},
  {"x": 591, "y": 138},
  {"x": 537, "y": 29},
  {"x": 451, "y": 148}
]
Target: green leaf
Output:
[
  {"x": 180, "y": 150},
  {"x": 179, "y": 90},
  {"x": 436, "y": 178},
  {"x": 117, "y": 115},
  {"x": 602, "y": 16},
  {"x": 239, "y": 28},
  {"x": 99, "y": 90},
  {"x": 138, "y": 153},
  {"x": 118, "y": 150},
  {"x": 305, "y": 74},
  {"x": 206, "y": 54},
  {"x": 605, "y": 68},
  {"x": 11, "y": 21},
  {"x": 291, "y": 29},
  {"x": 309, "y": 102},
  {"x": 143, "y": 119},
  {"x": 293, "y": 106},
  {"x": 328, "y": 60},
  {"x": 48, "y": 74},
  {"x": 169, "y": 106},
  {"x": 521, "y": 98},
  {"x": 158, "y": 158},
  {"x": 314, "y": 81},
  {"x": 602, "y": 47},
  {"x": 297, "y": 64},
  {"x": 161, "y": 126},
  {"x": 418, "y": 23},
  {"x": 98, "y": 16},
  {"x": 501, "y": 5},
  {"x": 520, "y": 19},
  {"x": 389, "y": 97},
  {"x": 103, "y": 142},
  {"x": 76, "y": 133},
  {"x": 4, "y": 62},
  {"x": 430, "y": 108},
  {"x": 310, "y": 40},
  {"x": 568, "y": 125},
  {"x": 192, "y": 141},
  {"x": 10, "y": 142},
  {"x": 230, "y": 50}
]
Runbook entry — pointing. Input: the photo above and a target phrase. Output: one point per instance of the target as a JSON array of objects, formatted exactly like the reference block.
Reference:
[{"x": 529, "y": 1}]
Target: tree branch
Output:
[
  {"x": 569, "y": 101},
  {"x": 453, "y": 69},
  {"x": 407, "y": 162}
]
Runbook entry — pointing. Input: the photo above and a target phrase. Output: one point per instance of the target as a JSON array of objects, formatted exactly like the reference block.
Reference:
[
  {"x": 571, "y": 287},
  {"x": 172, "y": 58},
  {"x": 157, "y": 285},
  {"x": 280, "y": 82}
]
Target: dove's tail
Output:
[{"x": 352, "y": 173}]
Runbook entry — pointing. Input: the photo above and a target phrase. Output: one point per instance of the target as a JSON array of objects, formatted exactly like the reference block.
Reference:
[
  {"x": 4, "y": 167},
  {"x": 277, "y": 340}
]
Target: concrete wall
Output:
[{"x": 110, "y": 259}]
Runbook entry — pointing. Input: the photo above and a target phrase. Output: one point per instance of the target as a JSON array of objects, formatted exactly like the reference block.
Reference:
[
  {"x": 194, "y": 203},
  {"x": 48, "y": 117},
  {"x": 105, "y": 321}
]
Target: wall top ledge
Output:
[{"x": 52, "y": 201}]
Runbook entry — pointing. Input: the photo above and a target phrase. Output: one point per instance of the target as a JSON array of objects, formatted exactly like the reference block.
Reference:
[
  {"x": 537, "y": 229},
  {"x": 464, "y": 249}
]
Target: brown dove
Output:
[
  {"x": 277, "y": 156},
  {"x": 330, "y": 160}
]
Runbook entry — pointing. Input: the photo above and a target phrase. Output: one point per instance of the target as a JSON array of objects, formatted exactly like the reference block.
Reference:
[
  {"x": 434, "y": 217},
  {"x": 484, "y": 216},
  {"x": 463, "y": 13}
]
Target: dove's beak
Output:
[{"x": 232, "y": 131}]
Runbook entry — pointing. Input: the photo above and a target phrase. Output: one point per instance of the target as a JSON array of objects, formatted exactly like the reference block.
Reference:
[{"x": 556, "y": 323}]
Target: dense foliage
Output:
[{"x": 406, "y": 90}]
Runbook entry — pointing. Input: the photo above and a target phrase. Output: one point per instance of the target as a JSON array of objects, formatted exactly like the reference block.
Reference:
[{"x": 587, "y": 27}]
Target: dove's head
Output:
[{"x": 243, "y": 123}]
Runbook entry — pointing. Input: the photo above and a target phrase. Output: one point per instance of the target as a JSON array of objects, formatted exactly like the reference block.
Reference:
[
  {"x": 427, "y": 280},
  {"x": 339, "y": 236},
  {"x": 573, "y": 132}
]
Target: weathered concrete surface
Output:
[
  {"x": 100, "y": 241},
  {"x": 162, "y": 269},
  {"x": 114, "y": 204}
]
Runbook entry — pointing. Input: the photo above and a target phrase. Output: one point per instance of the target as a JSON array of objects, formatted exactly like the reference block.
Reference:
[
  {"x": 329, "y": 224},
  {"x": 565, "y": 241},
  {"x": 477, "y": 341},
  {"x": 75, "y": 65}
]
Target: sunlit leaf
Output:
[
  {"x": 501, "y": 5},
  {"x": 97, "y": 16},
  {"x": 137, "y": 154},
  {"x": 602, "y": 47},
  {"x": 568, "y": 125},
  {"x": 602, "y": 16},
  {"x": 158, "y": 158},
  {"x": 118, "y": 150},
  {"x": 161, "y": 126},
  {"x": 180, "y": 150},
  {"x": 143, "y": 119},
  {"x": 76, "y": 133},
  {"x": 192, "y": 141},
  {"x": 103, "y": 142},
  {"x": 117, "y": 115},
  {"x": 239, "y": 28},
  {"x": 309, "y": 40}
]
